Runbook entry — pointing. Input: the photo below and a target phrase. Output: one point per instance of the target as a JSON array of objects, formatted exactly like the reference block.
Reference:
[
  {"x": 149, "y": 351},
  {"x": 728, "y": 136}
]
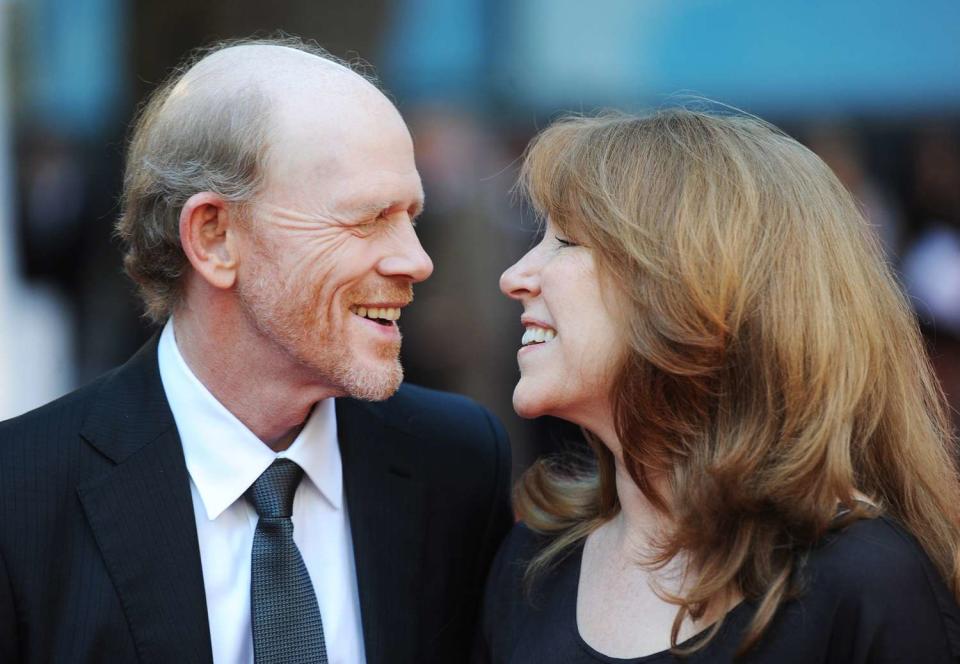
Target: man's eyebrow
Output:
[{"x": 373, "y": 209}]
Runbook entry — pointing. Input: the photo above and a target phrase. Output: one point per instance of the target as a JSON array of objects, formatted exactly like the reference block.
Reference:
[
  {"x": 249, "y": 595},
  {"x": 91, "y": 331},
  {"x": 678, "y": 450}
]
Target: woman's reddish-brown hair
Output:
[{"x": 772, "y": 368}]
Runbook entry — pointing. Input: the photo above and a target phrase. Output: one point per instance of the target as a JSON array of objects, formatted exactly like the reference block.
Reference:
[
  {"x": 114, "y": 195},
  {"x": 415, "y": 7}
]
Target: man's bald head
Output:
[
  {"x": 268, "y": 66},
  {"x": 210, "y": 128}
]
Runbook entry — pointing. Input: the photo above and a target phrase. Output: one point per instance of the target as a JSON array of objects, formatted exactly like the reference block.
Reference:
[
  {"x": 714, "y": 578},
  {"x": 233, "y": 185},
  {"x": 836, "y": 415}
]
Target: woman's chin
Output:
[{"x": 527, "y": 405}]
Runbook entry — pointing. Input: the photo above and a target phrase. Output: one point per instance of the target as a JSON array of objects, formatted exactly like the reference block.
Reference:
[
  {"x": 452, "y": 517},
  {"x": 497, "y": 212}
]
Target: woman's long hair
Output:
[{"x": 772, "y": 366}]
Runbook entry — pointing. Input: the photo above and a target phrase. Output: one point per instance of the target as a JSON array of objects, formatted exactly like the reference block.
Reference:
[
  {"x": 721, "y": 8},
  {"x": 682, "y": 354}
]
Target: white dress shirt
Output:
[{"x": 224, "y": 458}]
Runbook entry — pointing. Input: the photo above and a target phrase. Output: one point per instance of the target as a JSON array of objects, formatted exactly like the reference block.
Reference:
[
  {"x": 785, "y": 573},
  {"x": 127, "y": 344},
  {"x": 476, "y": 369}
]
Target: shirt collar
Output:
[{"x": 223, "y": 456}]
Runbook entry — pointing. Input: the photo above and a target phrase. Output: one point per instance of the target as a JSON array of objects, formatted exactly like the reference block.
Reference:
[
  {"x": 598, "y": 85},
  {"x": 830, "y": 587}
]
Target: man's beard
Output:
[{"x": 297, "y": 319}]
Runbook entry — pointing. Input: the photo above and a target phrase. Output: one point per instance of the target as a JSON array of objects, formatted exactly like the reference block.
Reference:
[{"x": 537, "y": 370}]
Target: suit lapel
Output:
[
  {"x": 141, "y": 514},
  {"x": 386, "y": 505}
]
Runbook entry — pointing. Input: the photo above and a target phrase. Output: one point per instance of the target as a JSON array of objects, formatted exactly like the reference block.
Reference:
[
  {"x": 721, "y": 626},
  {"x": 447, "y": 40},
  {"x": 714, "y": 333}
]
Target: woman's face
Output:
[{"x": 570, "y": 340}]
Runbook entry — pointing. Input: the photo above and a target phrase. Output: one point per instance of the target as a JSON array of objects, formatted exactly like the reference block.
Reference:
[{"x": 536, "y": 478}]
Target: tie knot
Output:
[{"x": 272, "y": 493}]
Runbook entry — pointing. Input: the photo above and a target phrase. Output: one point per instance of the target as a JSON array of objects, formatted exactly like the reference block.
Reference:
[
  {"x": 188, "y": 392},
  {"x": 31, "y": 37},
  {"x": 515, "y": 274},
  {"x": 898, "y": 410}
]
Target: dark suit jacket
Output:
[{"x": 99, "y": 559}]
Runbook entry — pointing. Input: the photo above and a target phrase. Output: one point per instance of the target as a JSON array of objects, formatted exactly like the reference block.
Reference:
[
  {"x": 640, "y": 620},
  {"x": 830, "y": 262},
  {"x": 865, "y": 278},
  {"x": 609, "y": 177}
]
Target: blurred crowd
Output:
[{"x": 461, "y": 334}]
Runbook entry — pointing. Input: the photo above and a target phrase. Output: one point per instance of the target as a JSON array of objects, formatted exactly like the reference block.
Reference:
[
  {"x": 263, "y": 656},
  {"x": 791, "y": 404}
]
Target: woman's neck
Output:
[
  {"x": 639, "y": 525},
  {"x": 637, "y": 534}
]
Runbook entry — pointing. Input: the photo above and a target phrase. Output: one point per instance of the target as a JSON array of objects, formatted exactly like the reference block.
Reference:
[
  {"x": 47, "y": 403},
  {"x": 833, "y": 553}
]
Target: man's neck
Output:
[{"x": 261, "y": 385}]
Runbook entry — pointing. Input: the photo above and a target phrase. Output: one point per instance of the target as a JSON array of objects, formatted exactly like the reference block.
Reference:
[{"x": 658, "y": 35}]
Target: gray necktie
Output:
[{"x": 286, "y": 618}]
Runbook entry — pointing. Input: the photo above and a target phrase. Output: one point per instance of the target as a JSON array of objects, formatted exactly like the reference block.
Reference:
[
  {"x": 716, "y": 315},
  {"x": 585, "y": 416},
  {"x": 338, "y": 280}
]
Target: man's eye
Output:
[{"x": 364, "y": 227}]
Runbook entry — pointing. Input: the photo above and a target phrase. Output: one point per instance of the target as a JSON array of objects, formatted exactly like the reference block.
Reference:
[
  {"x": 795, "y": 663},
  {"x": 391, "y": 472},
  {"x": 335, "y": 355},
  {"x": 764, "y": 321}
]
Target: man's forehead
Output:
[
  {"x": 378, "y": 192},
  {"x": 357, "y": 185},
  {"x": 315, "y": 137}
]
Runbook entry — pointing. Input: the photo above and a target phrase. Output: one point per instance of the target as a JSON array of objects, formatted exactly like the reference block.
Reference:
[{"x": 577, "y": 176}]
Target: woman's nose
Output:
[{"x": 522, "y": 279}]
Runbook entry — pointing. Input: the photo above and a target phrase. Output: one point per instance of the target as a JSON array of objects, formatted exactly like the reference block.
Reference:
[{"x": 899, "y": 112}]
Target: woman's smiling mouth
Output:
[{"x": 534, "y": 334}]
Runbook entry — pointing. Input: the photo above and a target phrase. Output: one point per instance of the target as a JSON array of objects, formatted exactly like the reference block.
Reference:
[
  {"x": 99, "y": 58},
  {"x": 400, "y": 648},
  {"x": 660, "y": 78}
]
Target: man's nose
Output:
[{"x": 408, "y": 257}]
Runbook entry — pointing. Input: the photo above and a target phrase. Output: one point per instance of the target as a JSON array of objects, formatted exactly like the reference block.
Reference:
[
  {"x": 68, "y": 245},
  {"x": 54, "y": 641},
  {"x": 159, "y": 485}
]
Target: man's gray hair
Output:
[{"x": 216, "y": 143}]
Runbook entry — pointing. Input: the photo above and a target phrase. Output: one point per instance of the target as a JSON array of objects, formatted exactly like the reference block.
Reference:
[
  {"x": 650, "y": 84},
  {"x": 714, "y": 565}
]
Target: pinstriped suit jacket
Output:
[{"x": 99, "y": 559}]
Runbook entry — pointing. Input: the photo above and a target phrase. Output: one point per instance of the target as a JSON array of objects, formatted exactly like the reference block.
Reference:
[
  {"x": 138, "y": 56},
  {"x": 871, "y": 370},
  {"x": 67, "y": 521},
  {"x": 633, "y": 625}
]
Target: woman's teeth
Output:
[
  {"x": 382, "y": 313},
  {"x": 537, "y": 335}
]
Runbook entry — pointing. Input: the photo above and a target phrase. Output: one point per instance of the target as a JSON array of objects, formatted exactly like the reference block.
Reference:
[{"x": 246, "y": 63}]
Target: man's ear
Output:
[{"x": 208, "y": 235}]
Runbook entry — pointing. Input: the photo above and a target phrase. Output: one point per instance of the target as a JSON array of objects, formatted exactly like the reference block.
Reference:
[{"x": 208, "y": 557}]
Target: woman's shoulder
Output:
[
  {"x": 876, "y": 582},
  {"x": 508, "y": 600},
  {"x": 522, "y": 544},
  {"x": 517, "y": 550},
  {"x": 872, "y": 555}
]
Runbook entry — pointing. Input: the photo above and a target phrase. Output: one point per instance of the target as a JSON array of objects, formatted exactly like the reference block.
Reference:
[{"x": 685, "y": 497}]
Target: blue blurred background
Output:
[{"x": 873, "y": 87}]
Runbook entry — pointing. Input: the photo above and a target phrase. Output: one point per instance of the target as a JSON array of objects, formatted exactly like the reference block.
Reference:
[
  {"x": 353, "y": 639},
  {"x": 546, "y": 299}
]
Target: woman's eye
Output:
[{"x": 565, "y": 243}]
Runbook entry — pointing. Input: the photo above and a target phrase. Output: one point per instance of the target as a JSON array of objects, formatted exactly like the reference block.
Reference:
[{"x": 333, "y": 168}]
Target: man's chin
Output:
[{"x": 375, "y": 384}]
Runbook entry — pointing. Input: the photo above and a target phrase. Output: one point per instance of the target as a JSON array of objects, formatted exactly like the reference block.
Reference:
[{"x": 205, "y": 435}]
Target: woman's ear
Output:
[{"x": 208, "y": 235}]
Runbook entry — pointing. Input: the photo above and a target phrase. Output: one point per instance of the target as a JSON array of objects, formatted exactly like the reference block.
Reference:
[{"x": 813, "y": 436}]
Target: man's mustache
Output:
[{"x": 399, "y": 296}]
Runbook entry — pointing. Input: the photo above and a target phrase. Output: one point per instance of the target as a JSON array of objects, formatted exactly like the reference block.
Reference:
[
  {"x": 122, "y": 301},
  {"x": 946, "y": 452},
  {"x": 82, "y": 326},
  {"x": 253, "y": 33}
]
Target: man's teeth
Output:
[
  {"x": 384, "y": 313},
  {"x": 536, "y": 335}
]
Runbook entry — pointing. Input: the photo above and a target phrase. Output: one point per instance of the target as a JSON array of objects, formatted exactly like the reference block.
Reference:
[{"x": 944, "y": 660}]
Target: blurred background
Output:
[{"x": 873, "y": 87}]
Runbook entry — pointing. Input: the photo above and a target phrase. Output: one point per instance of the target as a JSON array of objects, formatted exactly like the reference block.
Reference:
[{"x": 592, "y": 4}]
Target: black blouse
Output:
[{"x": 870, "y": 595}]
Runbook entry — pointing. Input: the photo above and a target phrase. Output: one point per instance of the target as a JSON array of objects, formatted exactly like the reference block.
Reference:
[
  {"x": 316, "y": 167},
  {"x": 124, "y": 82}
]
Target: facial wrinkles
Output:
[
  {"x": 308, "y": 241},
  {"x": 324, "y": 218},
  {"x": 395, "y": 228},
  {"x": 316, "y": 222},
  {"x": 292, "y": 312},
  {"x": 318, "y": 241},
  {"x": 283, "y": 302}
]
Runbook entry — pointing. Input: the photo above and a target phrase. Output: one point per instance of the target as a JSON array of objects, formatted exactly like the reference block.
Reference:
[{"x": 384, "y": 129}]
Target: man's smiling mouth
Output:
[{"x": 382, "y": 315}]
